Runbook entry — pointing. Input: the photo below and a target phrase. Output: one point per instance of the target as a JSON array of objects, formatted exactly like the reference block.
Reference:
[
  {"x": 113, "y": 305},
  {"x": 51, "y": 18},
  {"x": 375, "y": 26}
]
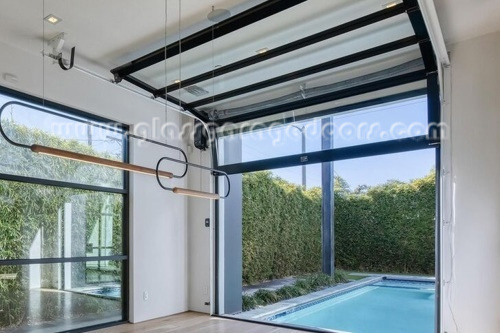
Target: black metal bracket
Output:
[{"x": 60, "y": 60}]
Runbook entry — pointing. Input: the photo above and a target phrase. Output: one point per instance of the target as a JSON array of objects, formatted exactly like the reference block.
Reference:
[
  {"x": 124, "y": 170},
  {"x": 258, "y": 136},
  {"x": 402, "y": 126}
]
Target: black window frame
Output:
[{"x": 124, "y": 191}]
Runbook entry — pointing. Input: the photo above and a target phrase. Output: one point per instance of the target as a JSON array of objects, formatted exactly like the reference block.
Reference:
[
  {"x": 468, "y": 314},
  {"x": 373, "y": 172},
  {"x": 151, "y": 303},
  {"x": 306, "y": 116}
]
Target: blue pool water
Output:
[
  {"x": 388, "y": 306},
  {"x": 111, "y": 292}
]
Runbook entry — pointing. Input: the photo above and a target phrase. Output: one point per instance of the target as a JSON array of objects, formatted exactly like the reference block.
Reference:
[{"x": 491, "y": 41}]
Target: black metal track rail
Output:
[
  {"x": 329, "y": 97},
  {"x": 373, "y": 52},
  {"x": 418, "y": 24},
  {"x": 295, "y": 45},
  {"x": 206, "y": 35}
]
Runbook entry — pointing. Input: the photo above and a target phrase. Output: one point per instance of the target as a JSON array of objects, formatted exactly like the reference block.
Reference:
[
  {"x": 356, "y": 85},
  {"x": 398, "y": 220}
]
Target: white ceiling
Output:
[
  {"x": 106, "y": 33},
  {"x": 465, "y": 19}
]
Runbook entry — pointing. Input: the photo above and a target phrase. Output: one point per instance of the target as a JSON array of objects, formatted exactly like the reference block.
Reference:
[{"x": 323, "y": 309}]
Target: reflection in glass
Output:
[
  {"x": 59, "y": 297},
  {"x": 30, "y": 126},
  {"x": 50, "y": 222}
]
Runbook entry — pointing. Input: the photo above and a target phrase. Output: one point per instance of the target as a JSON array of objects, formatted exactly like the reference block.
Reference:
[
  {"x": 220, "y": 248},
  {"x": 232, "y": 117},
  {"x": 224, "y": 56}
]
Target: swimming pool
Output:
[{"x": 387, "y": 306}]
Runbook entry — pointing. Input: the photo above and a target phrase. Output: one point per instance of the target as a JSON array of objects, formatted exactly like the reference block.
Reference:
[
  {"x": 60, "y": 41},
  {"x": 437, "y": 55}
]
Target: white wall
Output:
[
  {"x": 472, "y": 289},
  {"x": 199, "y": 242},
  {"x": 158, "y": 218}
]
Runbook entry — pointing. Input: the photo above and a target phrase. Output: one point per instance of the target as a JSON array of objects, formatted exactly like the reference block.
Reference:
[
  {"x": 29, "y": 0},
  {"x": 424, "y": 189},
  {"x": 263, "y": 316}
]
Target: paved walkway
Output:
[{"x": 268, "y": 285}]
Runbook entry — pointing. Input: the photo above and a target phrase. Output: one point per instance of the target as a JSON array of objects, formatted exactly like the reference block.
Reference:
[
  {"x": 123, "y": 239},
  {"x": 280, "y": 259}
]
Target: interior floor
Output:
[{"x": 190, "y": 322}]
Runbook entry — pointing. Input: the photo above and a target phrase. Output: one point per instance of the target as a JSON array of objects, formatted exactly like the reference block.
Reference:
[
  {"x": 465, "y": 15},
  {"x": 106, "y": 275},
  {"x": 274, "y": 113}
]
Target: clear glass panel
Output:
[
  {"x": 359, "y": 40},
  {"x": 50, "y": 222},
  {"x": 30, "y": 126},
  {"x": 327, "y": 81},
  {"x": 384, "y": 122},
  {"x": 60, "y": 297}
]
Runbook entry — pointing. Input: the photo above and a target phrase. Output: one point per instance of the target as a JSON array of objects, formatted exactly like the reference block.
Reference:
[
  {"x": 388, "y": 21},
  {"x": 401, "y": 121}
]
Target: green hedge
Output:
[
  {"x": 281, "y": 228},
  {"x": 387, "y": 228}
]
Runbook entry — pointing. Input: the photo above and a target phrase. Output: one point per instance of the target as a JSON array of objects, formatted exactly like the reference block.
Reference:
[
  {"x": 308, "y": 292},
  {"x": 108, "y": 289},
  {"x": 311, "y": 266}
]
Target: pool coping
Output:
[{"x": 292, "y": 305}]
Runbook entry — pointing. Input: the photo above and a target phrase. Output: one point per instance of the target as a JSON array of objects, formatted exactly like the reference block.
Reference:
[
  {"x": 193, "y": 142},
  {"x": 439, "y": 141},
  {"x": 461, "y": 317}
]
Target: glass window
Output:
[
  {"x": 27, "y": 125},
  {"x": 42, "y": 226},
  {"x": 389, "y": 121}
]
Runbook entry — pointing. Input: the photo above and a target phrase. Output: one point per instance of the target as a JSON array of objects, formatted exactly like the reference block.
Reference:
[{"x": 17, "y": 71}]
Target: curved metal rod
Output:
[
  {"x": 214, "y": 172},
  {"x": 17, "y": 144},
  {"x": 186, "y": 163},
  {"x": 4, "y": 135},
  {"x": 71, "y": 62}
]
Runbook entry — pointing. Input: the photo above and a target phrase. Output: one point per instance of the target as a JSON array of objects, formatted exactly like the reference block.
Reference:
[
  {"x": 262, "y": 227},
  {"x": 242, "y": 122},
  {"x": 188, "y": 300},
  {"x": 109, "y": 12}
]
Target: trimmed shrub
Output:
[{"x": 302, "y": 286}]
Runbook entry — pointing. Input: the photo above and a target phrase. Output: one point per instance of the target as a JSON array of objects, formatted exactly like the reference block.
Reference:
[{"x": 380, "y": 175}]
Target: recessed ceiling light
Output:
[
  {"x": 262, "y": 51},
  {"x": 176, "y": 81},
  {"x": 52, "y": 19},
  {"x": 391, "y": 4}
]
